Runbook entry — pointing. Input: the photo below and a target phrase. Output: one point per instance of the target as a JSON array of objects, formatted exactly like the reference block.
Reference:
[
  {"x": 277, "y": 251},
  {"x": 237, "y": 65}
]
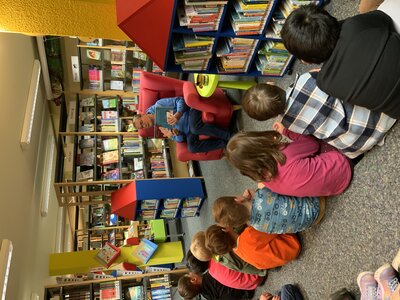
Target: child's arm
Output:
[{"x": 302, "y": 145}]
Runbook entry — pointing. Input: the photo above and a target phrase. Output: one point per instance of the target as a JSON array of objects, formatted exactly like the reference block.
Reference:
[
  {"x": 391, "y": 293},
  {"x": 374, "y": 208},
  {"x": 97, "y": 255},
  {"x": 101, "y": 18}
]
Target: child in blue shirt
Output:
[{"x": 269, "y": 212}]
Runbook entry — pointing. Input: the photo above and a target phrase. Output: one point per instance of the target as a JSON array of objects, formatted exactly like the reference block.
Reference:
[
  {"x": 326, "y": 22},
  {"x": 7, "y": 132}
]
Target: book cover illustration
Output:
[
  {"x": 110, "y": 157},
  {"x": 109, "y": 102},
  {"x": 86, "y": 143},
  {"x": 144, "y": 250},
  {"x": 87, "y": 102},
  {"x": 93, "y": 54},
  {"x": 161, "y": 116},
  {"x": 108, "y": 254},
  {"x": 110, "y": 144},
  {"x": 136, "y": 293}
]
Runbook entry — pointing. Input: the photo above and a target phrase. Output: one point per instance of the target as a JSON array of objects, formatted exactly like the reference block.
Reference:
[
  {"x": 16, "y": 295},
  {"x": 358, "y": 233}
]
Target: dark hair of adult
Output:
[
  {"x": 194, "y": 265},
  {"x": 310, "y": 33}
]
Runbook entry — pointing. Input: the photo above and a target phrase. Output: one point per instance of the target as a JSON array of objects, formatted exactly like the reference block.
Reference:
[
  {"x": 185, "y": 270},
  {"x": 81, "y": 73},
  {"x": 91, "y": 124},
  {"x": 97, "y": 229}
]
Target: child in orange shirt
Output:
[{"x": 260, "y": 249}]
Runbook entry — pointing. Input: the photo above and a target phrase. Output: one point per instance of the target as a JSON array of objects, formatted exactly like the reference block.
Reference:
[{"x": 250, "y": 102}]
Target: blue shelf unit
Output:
[
  {"x": 164, "y": 198},
  {"x": 262, "y": 40}
]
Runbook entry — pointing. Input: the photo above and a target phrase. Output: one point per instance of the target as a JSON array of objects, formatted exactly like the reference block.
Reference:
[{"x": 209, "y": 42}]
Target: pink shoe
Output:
[
  {"x": 387, "y": 280},
  {"x": 368, "y": 286}
]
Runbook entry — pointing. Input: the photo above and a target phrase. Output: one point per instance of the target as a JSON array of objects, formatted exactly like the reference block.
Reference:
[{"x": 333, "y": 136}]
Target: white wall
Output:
[{"x": 33, "y": 237}]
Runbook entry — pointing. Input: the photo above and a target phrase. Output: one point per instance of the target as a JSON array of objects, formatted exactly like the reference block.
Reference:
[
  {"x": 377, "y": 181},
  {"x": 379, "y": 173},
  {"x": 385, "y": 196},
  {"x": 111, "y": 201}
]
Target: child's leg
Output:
[
  {"x": 290, "y": 292},
  {"x": 368, "y": 5}
]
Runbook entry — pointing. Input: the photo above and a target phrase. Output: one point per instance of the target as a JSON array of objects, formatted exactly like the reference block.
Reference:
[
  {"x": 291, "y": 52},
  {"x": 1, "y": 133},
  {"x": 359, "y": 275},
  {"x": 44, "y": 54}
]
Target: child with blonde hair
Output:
[
  {"x": 301, "y": 168},
  {"x": 269, "y": 212},
  {"x": 260, "y": 249},
  {"x": 230, "y": 260}
]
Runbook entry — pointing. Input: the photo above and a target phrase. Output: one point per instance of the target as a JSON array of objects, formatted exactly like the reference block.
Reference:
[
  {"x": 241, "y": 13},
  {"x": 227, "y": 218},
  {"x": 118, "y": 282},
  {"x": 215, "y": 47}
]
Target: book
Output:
[
  {"x": 117, "y": 85},
  {"x": 136, "y": 292},
  {"x": 110, "y": 157},
  {"x": 110, "y": 144},
  {"x": 93, "y": 54},
  {"x": 108, "y": 254},
  {"x": 86, "y": 143},
  {"x": 144, "y": 250},
  {"x": 161, "y": 116}
]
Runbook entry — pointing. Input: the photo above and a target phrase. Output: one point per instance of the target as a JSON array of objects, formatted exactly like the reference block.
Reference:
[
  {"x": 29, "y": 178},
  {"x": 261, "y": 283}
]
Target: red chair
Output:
[{"x": 216, "y": 109}]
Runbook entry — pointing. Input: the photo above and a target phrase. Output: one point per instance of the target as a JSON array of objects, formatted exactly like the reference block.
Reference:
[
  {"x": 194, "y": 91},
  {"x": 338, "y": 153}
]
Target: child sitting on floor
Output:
[
  {"x": 230, "y": 260},
  {"x": 301, "y": 168},
  {"x": 269, "y": 212},
  {"x": 260, "y": 249}
]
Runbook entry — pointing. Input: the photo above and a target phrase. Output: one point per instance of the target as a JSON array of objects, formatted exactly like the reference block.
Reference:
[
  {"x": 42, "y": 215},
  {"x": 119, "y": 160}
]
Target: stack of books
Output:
[
  {"x": 249, "y": 16},
  {"x": 172, "y": 202},
  {"x": 158, "y": 167},
  {"x": 147, "y": 214},
  {"x": 110, "y": 290},
  {"x": 192, "y": 52},
  {"x": 160, "y": 287},
  {"x": 188, "y": 212},
  {"x": 136, "y": 80},
  {"x": 109, "y": 121},
  {"x": 191, "y": 202},
  {"x": 201, "y": 15},
  {"x": 132, "y": 146},
  {"x": 234, "y": 54},
  {"x": 169, "y": 213},
  {"x": 272, "y": 58},
  {"x": 280, "y": 15},
  {"x": 149, "y": 204}
]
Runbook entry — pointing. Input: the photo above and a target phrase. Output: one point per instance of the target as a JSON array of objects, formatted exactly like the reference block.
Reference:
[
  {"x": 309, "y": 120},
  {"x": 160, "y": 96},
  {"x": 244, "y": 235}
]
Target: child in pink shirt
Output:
[{"x": 302, "y": 168}]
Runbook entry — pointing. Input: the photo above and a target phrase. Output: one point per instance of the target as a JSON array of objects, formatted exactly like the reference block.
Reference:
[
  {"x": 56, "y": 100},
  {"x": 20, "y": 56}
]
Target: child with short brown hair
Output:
[
  {"x": 260, "y": 249},
  {"x": 268, "y": 211},
  {"x": 264, "y": 101}
]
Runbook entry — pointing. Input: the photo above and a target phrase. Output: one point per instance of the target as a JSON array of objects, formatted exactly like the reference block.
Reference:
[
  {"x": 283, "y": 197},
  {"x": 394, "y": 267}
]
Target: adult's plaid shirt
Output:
[{"x": 351, "y": 129}]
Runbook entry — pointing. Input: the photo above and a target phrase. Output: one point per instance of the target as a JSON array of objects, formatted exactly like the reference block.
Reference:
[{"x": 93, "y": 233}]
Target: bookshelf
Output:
[
  {"x": 167, "y": 198},
  {"x": 109, "y": 65},
  {"x": 218, "y": 37},
  {"x": 122, "y": 287}
]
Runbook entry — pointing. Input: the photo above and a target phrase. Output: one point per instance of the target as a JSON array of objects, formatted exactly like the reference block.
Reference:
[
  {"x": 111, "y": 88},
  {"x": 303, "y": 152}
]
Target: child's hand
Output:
[
  {"x": 248, "y": 194},
  {"x": 166, "y": 132},
  {"x": 260, "y": 185},
  {"x": 278, "y": 127},
  {"x": 314, "y": 70},
  {"x": 175, "y": 131}
]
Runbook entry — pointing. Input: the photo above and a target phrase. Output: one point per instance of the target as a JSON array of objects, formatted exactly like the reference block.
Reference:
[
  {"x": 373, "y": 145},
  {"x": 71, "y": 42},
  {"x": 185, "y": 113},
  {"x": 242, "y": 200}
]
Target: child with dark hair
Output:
[
  {"x": 260, "y": 249},
  {"x": 302, "y": 168},
  {"x": 287, "y": 292},
  {"x": 360, "y": 57},
  {"x": 195, "y": 265},
  {"x": 269, "y": 212}
]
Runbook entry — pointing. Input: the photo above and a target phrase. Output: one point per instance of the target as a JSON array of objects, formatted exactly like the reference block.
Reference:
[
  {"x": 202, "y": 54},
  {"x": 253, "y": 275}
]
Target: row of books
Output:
[
  {"x": 169, "y": 213},
  {"x": 170, "y": 203},
  {"x": 249, "y": 16},
  {"x": 234, "y": 54},
  {"x": 280, "y": 15},
  {"x": 272, "y": 58},
  {"x": 160, "y": 287},
  {"x": 118, "y": 74},
  {"x": 203, "y": 16},
  {"x": 192, "y": 52}
]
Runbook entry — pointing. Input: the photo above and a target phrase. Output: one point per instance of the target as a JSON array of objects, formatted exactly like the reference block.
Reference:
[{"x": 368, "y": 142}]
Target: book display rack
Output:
[
  {"x": 168, "y": 198},
  {"x": 240, "y": 37},
  {"x": 155, "y": 285}
]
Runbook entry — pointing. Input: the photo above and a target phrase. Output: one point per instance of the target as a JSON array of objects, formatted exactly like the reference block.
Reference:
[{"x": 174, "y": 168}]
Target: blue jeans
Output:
[
  {"x": 290, "y": 292},
  {"x": 198, "y": 127}
]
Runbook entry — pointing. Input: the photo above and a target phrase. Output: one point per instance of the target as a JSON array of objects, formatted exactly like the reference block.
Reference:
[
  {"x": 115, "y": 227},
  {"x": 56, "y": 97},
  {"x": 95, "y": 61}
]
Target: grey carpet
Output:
[{"x": 360, "y": 231}]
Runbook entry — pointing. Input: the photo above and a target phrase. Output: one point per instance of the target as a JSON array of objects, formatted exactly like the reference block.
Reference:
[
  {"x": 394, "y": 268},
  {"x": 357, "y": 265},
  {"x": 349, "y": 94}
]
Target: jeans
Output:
[
  {"x": 198, "y": 127},
  {"x": 290, "y": 292}
]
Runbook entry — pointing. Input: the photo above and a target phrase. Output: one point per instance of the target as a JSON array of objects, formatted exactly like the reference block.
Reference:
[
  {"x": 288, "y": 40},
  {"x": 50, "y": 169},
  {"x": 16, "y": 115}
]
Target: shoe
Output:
[
  {"x": 368, "y": 286},
  {"x": 387, "y": 280},
  {"x": 322, "y": 208},
  {"x": 396, "y": 262}
]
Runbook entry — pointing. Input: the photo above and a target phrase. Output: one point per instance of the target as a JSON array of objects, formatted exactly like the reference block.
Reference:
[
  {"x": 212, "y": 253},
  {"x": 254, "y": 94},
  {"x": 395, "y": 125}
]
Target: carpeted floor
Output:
[{"x": 361, "y": 227}]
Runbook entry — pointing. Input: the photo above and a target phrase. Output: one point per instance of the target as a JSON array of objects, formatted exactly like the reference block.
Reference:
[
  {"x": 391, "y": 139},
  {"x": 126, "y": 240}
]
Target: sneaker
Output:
[
  {"x": 387, "y": 280},
  {"x": 396, "y": 262},
  {"x": 368, "y": 286}
]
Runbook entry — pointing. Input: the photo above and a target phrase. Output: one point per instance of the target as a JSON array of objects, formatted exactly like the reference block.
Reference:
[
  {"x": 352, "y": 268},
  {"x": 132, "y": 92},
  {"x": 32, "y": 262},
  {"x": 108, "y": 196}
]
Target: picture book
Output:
[
  {"x": 108, "y": 254},
  {"x": 86, "y": 143},
  {"x": 149, "y": 204},
  {"x": 109, "y": 114},
  {"x": 116, "y": 85},
  {"x": 118, "y": 71},
  {"x": 85, "y": 175},
  {"x": 93, "y": 54},
  {"x": 86, "y": 102},
  {"x": 110, "y": 144},
  {"x": 145, "y": 250},
  {"x": 161, "y": 116},
  {"x": 110, "y": 157},
  {"x": 136, "y": 293},
  {"x": 117, "y": 56},
  {"x": 109, "y": 102}
]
